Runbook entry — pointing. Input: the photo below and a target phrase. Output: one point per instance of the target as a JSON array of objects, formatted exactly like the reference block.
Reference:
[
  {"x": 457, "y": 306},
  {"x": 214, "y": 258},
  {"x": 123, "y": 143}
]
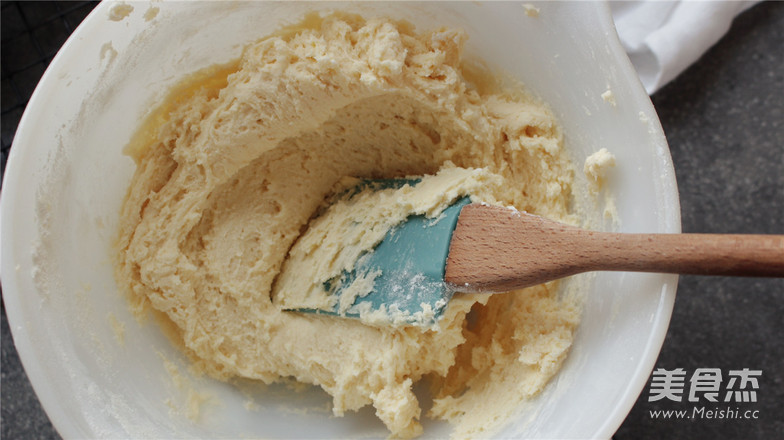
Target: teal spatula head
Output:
[{"x": 401, "y": 280}]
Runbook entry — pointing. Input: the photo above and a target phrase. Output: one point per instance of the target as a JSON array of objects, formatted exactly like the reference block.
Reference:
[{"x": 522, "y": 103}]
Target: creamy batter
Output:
[{"x": 236, "y": 162}]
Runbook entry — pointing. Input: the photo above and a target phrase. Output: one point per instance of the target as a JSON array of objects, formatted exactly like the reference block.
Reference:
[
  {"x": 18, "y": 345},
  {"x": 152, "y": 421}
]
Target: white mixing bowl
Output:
[{"x": 100, "y": 373}]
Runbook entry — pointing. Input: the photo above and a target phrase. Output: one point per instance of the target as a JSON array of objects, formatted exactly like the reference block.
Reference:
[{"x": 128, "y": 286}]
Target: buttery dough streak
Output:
[{"x": 235, "y": 172}]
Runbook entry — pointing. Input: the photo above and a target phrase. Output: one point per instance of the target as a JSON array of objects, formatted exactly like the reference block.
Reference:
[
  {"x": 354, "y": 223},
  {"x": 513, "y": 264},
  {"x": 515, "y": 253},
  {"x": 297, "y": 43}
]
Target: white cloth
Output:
[{"x": 663, "y": 38}]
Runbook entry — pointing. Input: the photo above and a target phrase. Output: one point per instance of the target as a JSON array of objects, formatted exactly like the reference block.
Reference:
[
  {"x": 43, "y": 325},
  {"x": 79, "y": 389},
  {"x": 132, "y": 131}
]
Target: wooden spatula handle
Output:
[
  {"x": 497, "y": 249},
  {"x": 697, "y": 254}
]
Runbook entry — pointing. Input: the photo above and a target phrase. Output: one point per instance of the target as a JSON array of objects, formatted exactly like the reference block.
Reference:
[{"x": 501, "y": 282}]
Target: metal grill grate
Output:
[{"x": 32, "y": 33}]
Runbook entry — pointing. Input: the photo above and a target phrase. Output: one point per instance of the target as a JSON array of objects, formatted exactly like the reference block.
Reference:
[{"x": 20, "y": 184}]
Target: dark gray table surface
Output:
[{"x": 724, "y": 120}]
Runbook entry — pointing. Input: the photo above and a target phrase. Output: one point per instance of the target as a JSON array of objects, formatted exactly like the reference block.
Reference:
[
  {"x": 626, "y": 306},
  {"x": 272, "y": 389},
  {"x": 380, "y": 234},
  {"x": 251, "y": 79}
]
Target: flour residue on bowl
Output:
[
  {"x": 151, "y": 13},
  {"x": 108, "y": 53},
  {"x": 597, "y": 169},
  {"x": 120, "y": 11}
]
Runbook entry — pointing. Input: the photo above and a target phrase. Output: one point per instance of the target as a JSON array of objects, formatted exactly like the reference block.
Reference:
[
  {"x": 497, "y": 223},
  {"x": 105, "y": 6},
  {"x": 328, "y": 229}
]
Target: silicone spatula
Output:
[{"x": 492, "y": 249}]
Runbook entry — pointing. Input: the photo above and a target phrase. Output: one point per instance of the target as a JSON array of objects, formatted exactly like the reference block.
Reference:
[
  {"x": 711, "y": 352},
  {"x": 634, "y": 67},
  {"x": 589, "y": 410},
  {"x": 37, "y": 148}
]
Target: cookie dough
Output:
[
  {"x": 596, "y": 168},
  {"x": 238, "y": 159}
]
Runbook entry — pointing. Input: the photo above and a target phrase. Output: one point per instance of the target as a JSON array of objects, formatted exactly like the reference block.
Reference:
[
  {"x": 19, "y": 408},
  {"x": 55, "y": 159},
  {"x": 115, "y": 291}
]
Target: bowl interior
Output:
[{"x": 100, "y": 373}]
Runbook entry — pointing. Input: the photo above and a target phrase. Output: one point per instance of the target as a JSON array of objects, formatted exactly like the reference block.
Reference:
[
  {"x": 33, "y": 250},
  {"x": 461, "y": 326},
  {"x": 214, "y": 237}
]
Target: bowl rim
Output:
[
  {"x": 29, "y": 358},
  {"x": 671, "y": 219}
]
